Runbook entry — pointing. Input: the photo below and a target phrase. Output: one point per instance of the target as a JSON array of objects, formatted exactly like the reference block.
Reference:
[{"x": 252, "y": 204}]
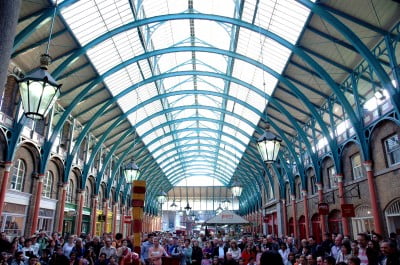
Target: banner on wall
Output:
[{"x": 323, "y": 208}]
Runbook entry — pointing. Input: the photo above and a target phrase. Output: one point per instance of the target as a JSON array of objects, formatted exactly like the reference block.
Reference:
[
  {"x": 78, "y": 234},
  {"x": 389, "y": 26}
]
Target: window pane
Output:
[
  {"x": 392, "y": 147},
  {"x": 17, "y": 178}
]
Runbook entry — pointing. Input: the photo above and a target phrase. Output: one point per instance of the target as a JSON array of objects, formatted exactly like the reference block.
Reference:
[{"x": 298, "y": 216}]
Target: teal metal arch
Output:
[
  {"x": 295, "y": 49},
  {"x": 120, "y": 120},
  {"x": 214, "y": 50}
]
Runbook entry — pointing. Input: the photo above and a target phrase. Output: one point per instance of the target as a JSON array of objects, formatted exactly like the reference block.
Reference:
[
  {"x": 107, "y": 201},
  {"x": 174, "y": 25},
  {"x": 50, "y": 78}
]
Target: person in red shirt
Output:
[{"x": 248, "y": 254}]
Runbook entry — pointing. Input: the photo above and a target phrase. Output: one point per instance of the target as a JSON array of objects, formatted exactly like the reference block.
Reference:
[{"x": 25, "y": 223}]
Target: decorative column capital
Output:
[
  {"x": 293, "y": 197},
  {"x": 82, "y": 192},
  {"x": 304, "y": 193},
  {"x": 7, "y": 166},
  {"x": 40, "y": 177},
  {"x": 95, "y": 196},
  {"x": 319, "y": 186},
  {"x": 64, "y": 185},
  {"x": 283, "y": 201},
  {"x": 368, "y": 165},
  {"x": 339, "y": 178}
]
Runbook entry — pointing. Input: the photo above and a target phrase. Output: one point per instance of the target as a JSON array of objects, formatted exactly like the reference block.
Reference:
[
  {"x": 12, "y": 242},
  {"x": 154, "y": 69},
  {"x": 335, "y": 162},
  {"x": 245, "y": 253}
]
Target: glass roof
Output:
[{"x": 193, "y": 123}]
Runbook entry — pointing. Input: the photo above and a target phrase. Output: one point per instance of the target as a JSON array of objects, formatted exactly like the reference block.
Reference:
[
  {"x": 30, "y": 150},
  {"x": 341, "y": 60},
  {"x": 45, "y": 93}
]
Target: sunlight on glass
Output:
[
  {"x": 199, "y": 181},
  {"x": 202, "y": 117}
]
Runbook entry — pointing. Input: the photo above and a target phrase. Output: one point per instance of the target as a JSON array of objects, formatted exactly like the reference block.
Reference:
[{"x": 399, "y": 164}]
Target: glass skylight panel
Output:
[
  {"x": 123, "y": 79},
  {"x": 216, "y": 7},
  {"x": 184, "y": 124},
  {"x": 211, "y": 62},
  {"x": 187, "y": 100},
  {"x": 287, "y": 14},
  {"x": 129, "y": 101},
  {"x": 144, "y": 66},
  {"x": 185, "y": 113},
  {"x": 217, "y": 37},
  {"x": 210, "y": 125},
  {"x": 89, "y": 19},
  {"x": 169, "y": 33},
  {"x": 194, "y": 181},
  {"x": 209, "y": 113},
  {"x": 211, "y": 83},
  {"x": 208, "y": 100}
]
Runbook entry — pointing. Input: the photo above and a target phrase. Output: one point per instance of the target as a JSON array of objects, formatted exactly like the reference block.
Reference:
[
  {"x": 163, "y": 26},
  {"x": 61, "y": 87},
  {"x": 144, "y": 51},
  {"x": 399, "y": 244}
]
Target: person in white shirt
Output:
[
  {"x": 284, "y": 252},
  {"x": 235, "y": 250},
  {"x": 108, "y": 249},
  {"x": 68, "y": 246}
]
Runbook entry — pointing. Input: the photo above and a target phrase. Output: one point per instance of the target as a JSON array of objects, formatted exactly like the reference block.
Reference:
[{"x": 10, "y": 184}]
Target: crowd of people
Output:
[{"x": 219, "y": 249}]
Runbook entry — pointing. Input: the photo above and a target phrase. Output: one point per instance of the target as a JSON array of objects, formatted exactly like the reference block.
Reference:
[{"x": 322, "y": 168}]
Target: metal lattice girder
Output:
[
  {"x": 104, "y": 106},
  {"x": 300, "y": 53}
]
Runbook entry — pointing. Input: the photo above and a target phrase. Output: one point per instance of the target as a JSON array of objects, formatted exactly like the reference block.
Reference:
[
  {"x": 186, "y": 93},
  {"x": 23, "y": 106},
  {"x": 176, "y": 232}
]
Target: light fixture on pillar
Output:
[
  {"x": 236, "y": 188},
  {"x": 39, "y": 90},
  {"x": 131, "y": 171},
  {"x": 268, "y": 145},
  {"x": 187, "y": 208},
  {"x": 162, "y": 197}
]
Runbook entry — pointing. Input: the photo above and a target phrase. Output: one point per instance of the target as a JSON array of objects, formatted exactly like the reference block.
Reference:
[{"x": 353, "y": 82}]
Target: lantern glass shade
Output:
[
  {"x": 236, "y": 189},
  {"x": 131, "y": 172},
  {"x": 219, "y": 209},
  {"x": 39, "y": 91},
  {"x": 187, "y": 209},
  {"x": 268, "y": 145},
  {"x": 162, "y": 197},
  {"x": 173, "y": 206}
]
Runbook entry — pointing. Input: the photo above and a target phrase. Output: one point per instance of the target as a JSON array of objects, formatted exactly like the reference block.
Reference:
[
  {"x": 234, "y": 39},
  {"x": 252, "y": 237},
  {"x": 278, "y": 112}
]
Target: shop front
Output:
[
  {"x": 46, "y": 215},
  {"x": 86, "y": 212},
  {"x": 15, "y": 209},
  {"x": 70, "y": 214}
]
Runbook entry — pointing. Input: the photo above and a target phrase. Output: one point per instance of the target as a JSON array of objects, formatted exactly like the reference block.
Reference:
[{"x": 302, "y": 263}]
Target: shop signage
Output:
[
  {"x": 127, "y": 219},
  {"x": 348, "y": 210},
  {"x": 323, "y": 208}
]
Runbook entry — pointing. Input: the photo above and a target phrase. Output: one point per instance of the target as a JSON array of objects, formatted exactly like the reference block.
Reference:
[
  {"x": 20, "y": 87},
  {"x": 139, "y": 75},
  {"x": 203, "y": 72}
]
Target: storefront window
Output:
[
  {"x": 46, "y": 220},
  {"x": 18, "y": 175},
  {"x": 363, "y": 222},
  {"x": 13, "y": 219},
  {"x": 47, "y": 184}
]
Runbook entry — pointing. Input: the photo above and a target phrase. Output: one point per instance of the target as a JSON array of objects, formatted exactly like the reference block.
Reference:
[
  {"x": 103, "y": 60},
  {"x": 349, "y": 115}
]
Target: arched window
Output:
[
  {"x": 86, "y": 202},
  {"x": 313, "y": 185},
  {"x": 47, "y": 184},
  {"x": 18, "y": 176},
  {"x": 100, "y": 201},
  {"x": 70, "y": 191}
]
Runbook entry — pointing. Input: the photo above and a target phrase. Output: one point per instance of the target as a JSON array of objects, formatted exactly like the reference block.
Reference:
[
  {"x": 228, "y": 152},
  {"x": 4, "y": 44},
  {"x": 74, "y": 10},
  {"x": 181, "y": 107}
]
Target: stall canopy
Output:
[{"x": 228, "y": 218}]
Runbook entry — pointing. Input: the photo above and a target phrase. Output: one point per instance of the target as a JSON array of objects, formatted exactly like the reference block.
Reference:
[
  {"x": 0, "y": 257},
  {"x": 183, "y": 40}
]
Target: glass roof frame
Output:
[{"x": 144, "y": 69}]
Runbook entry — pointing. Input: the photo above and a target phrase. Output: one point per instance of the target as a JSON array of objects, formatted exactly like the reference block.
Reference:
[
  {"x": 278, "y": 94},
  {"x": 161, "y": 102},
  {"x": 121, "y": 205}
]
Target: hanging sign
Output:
[
  {"x": 348, "y": 210},
  {"x": 323, "y": 208},
  {"x": 127, "y": 219}
]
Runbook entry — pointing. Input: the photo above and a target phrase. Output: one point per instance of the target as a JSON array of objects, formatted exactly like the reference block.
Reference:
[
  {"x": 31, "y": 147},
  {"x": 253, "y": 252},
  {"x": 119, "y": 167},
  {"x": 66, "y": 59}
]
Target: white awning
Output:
[{"x": 227, "y": 217}]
